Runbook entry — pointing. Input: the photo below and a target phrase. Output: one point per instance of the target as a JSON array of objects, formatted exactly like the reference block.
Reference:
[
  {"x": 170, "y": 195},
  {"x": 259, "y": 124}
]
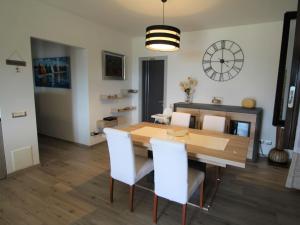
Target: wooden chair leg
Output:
[
  {"x": 155, "y": 203},
  {"x": 111, "y": 189},
  {"x": 131, "y": 190},
  {"x": 201, "y": 194},
  {"x": 183, "y": 214}
]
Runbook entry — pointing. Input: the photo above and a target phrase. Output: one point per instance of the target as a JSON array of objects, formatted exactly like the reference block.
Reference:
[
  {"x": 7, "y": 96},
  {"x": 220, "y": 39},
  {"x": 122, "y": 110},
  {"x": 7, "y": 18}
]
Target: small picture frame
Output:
[{"x": 113, "y": 66}]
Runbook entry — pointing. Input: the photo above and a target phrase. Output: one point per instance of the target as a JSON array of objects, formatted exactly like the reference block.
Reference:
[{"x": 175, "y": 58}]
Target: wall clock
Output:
[{"x": 223, "y": 60}]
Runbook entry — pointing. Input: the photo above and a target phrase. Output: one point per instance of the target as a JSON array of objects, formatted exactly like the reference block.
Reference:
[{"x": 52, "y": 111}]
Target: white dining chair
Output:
[
  {"x": 125, "y": 166},
  {"x": 214, "y": 123},
  {"x": 163, "y": 118},
  {"x": 180, "y": 119},
  {"x": 173, "y": 179}
]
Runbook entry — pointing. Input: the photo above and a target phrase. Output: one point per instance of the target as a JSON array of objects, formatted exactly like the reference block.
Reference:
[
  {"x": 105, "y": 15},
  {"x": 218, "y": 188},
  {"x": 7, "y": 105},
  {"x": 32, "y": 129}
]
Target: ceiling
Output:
[{"x": 132, "y": 16}]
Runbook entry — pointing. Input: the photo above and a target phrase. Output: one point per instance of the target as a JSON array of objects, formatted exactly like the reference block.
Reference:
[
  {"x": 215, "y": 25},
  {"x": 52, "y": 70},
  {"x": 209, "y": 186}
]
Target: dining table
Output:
[{"x": 207, "y": 147}]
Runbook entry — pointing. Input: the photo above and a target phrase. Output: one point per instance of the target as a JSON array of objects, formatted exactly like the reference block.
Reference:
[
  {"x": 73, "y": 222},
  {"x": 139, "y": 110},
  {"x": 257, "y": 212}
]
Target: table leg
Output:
[{"x": 217, "y": 180}]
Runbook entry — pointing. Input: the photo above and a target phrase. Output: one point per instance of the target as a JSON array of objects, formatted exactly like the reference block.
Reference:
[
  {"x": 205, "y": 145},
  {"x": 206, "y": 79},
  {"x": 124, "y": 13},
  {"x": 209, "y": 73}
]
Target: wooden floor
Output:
[{"x": 71, "y": 187}]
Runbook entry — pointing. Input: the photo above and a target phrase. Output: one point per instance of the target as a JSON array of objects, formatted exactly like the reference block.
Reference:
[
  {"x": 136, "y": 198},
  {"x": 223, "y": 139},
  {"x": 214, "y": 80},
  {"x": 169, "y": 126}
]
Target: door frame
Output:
[
  {"x": 293, "y": 113},
  {"x": 141, "y": 59}
]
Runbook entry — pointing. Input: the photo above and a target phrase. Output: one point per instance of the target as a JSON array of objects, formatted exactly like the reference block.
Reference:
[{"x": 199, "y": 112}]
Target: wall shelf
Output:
[
  {"x": 101, "y": 124},
  {"x": 124, "y": 109},
  {"x": 124, "y": 93},
  {"x": 113, "y": 97},
  {"x": 129, "y": 91}
]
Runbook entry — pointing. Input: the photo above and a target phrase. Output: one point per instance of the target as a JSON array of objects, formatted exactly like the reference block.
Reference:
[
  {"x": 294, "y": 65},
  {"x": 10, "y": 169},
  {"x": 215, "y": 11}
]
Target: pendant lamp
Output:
[{"x": 162, "y": 37}]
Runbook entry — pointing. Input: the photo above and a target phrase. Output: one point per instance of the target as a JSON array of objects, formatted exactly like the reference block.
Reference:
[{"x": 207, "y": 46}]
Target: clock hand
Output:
[
  {"x": 222, "y": 61},
  {"x": 221, "y": 67}
]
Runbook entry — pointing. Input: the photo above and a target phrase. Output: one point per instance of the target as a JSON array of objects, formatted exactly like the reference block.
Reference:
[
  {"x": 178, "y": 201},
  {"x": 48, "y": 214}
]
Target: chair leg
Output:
[
  {"x": 131, "y": 190},
  {"x": 111, "y": 189},
  {"x": 201, "y": 194},
  {"x": 219, "y": 173},
  {"x": 155, "y": 203},
  {"x": 183, "y": 214}
]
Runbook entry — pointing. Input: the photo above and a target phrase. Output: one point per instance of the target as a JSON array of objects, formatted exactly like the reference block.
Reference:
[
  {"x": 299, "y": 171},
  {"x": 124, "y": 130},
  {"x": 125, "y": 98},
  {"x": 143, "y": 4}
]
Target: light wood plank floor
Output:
[{"x": 71, "y": 187}]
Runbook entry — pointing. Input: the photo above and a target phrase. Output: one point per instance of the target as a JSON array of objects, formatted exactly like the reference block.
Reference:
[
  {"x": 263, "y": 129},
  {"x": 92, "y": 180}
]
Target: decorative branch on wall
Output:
[{"x": 18, "y": 61}]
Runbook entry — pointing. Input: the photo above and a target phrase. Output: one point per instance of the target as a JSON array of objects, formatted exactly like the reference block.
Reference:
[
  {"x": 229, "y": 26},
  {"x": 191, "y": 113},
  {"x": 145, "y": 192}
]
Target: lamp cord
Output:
[{"x": 163, "y": 13}]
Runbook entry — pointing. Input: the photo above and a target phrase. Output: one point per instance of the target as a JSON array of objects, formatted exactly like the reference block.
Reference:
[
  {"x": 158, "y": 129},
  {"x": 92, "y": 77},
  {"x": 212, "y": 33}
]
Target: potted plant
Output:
[{"x": 188, "y": 86}]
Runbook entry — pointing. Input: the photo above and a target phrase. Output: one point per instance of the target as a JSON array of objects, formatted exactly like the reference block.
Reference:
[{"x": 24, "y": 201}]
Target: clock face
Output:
[{"x": 223, "y": 60}]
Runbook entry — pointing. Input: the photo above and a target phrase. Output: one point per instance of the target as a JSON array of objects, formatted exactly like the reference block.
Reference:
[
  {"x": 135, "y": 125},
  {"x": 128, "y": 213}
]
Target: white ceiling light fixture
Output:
[{"x": 162, "y": 37}]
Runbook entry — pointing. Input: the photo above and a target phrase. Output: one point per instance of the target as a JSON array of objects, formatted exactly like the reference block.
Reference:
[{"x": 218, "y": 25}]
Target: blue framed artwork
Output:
[{"x": 52, "y": 72}]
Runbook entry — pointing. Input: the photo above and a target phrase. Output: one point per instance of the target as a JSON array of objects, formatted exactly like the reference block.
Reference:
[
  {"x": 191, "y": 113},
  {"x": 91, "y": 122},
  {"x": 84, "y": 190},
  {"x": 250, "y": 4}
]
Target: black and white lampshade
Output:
[{"x": 162, "y": 38}]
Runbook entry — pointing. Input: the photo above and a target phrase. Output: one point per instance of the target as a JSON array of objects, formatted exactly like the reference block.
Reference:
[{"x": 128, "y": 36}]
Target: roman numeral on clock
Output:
[
  {"x": 208, "y": 69},
  {"x": 236, "y": 69},
  {"x": 237, "y": 51},
  {"x": 213, "y": 76},
  {"x": 215, "y": 47},
  {"x": 229, "y": 75},
  {"x": 221, "y": 78},
  {"x": 239, "y": 60},
  {"x": 222, "y": 44}
]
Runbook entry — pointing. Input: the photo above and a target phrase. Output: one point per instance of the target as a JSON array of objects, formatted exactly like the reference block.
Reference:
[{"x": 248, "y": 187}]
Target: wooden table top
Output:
[{"x": 234, "y": 154}]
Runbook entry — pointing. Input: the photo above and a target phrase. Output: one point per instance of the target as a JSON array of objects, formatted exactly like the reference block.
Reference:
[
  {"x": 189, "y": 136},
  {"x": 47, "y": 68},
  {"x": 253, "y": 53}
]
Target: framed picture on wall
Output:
[
  {"x": 113, "y": 66},
  {"x": 52, "y": 72}
]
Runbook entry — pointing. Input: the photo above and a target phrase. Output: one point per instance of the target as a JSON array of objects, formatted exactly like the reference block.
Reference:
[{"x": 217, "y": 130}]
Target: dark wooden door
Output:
[{"x": 153, "y": 72}]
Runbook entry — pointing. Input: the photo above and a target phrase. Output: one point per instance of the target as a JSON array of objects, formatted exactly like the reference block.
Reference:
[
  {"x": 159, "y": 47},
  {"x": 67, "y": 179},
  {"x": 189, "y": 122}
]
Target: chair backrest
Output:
[
  {"x": 181, "y": 119},
  {"x": 170, "y": 170},
  {"x": 121, "y": 153},
  {"x": 214, "y": 123}
]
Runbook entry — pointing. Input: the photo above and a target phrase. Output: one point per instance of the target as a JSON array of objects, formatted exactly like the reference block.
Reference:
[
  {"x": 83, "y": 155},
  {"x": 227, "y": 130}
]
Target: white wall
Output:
[
  {"x": 63, "y": 113},
  {"x": 19, "y": 21},
  {"x": 261, "y": 46}
]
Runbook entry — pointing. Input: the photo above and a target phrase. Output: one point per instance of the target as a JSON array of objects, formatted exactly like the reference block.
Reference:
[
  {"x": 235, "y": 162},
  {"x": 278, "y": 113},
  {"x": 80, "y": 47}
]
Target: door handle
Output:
[{"x": 291, "y": 96}]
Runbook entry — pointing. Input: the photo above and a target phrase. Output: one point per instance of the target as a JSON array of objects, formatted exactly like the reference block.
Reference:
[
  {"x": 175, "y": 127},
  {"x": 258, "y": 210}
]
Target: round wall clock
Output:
[{"x": 223, "y": 60}]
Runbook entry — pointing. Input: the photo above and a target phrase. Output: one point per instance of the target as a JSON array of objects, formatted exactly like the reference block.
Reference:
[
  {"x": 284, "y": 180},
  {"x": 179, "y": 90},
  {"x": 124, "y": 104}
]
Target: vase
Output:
[
  {"x": 278, "y": 154},
  {"x": 188, "y": 98}
]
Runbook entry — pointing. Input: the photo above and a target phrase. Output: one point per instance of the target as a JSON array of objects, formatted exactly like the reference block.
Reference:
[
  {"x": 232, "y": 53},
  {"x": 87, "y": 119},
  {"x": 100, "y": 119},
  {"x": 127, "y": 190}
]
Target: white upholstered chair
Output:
[
  {"x": 173, "y": 179},
  {"x": 124, "y": 165},
  {"x": 181, "y": 119},
  {"x": 214, "y": 123},
  {"x": 164, "y": 117}
]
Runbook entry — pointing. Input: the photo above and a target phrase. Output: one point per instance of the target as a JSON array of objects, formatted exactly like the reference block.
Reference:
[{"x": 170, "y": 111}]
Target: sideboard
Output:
[{"x": 252, "y": 118}]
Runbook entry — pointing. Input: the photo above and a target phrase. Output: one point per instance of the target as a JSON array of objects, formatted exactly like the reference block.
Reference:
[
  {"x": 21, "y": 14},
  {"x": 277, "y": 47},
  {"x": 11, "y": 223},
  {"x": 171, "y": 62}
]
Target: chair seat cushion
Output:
[
  {"x": 196, "y": 177},
  {"x": 143, "y": 167}
]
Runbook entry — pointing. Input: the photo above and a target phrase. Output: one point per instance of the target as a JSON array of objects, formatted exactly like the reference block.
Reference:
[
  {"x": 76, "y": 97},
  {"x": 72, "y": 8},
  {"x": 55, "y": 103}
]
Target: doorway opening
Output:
[
  {"x": 61, "y": 91},
  {"x": 153, "y": 82}
]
